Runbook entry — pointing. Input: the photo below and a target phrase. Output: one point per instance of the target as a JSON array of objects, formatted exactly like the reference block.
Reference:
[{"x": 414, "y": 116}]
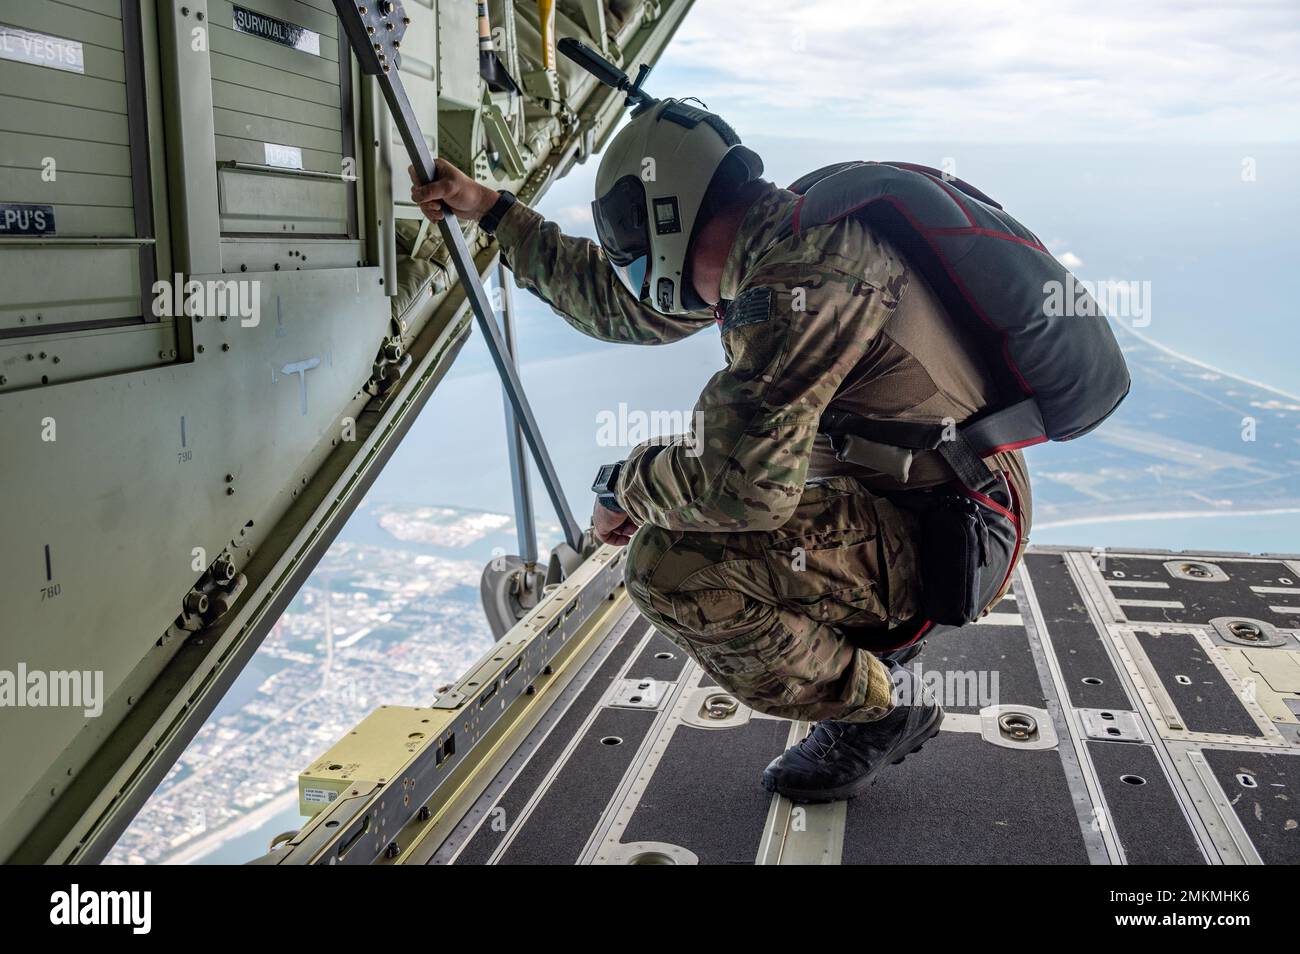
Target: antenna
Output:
[{"x": 608, "y": 73}]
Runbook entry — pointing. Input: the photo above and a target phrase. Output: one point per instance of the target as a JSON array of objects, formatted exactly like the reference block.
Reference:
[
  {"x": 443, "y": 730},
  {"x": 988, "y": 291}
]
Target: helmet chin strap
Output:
[{"x": 691, "y": 299}]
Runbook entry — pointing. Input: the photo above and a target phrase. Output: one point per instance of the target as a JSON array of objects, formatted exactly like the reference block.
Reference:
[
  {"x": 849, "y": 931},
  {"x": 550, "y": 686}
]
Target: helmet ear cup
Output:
[
  {"x": 738, "y": 168},
  {"x": 691, "y": 301}
]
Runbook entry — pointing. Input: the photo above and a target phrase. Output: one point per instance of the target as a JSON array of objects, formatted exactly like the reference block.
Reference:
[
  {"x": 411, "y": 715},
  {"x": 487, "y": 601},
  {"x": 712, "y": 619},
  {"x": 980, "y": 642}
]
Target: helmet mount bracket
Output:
[{"x": 608, "y": 73}]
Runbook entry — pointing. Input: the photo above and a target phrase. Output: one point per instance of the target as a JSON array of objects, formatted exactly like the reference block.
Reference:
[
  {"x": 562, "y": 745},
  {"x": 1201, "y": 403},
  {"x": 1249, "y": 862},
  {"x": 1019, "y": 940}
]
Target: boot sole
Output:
[{"x": 859, "y": 785}]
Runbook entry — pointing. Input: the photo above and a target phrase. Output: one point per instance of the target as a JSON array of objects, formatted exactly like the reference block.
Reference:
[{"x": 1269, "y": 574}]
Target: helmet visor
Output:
[
  {"x": 623, "y": 232},
  {"x": 633, "y": 276}
]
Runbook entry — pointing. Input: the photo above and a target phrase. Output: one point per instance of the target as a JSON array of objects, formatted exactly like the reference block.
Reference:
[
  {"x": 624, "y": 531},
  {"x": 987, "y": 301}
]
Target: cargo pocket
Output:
[
  {"x": 737, "y": 640},
  {"x": 711, "y": 615},
  {"x": 825, "y": 561},
  {"x": 829, "y": 576}
]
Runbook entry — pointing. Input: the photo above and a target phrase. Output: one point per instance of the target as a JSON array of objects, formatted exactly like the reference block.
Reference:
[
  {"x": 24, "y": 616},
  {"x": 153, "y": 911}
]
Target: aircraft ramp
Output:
[{"x": 1130, "y": 707}]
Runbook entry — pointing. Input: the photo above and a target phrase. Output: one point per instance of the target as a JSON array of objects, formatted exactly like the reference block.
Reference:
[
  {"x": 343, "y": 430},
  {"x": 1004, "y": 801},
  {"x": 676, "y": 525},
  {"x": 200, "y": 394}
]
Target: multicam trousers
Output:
[{"x": 758, "y": 610}]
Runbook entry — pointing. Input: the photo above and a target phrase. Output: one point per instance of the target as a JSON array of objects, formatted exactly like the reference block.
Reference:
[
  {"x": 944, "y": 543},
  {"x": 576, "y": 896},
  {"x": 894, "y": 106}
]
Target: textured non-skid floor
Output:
[
  {"x": 705, "y": 795},
  {"x": 961, "y": 800},
  {"x": 1182, "y": 771}
]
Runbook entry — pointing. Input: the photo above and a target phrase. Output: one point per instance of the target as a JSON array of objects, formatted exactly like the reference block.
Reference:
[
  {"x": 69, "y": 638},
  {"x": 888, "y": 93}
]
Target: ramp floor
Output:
[{"x": 1136, "y": 707}]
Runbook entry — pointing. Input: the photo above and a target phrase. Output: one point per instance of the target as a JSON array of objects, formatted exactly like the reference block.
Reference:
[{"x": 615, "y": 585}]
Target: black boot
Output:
[
  {"x": 901, "y": 657},
  {"x": 876, "y": 641},
  {"x": 839, "y": 760}
]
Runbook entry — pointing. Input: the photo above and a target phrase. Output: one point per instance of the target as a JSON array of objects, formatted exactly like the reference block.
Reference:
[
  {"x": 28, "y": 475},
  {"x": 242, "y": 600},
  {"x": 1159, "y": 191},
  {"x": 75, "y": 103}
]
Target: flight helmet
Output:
[{"x": 651, "y": 186}]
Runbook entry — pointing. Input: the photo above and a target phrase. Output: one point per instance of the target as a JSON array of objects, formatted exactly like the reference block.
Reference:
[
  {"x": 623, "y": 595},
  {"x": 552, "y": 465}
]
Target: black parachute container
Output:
[{"x": 1065, "y": 372}]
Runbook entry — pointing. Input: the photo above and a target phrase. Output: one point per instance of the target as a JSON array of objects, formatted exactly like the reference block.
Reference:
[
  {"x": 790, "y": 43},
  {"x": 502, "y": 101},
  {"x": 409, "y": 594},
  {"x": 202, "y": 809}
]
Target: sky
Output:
[
  {"x": 1155, "y": 143},
  {"x": 1080, "y": 71}
]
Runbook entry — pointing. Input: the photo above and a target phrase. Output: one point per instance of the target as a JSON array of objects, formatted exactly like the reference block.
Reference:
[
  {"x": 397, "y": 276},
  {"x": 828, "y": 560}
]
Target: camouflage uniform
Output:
[{"x": 756, "y": 543}]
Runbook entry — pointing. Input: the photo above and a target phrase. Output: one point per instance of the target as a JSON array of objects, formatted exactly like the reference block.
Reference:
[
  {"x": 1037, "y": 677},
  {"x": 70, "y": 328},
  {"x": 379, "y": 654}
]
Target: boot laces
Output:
[{"x": 821, "y": 740}]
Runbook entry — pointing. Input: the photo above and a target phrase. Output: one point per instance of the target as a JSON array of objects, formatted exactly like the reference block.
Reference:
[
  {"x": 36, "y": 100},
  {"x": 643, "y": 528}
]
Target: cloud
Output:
[
  {"x": 1016, "y": 70},
  {"x": 1070, "y": 260},
  {"x": 575, "y": 219}
]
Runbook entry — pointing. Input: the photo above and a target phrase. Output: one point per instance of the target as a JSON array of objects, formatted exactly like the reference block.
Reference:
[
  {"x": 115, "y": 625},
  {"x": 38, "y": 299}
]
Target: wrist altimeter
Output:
[{"x": 605, "y": 487}]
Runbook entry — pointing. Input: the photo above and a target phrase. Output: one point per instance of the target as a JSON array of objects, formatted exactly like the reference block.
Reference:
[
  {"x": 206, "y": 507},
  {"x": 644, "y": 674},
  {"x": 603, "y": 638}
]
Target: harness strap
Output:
[
  {"x": 966, "y": 462},
  {"x": 1009, "y": 428},
  {"x": 890, "y": 446}
]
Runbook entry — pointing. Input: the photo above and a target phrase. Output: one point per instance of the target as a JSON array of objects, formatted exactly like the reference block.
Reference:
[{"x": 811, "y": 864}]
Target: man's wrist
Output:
[{"x": 497, "y": 205}]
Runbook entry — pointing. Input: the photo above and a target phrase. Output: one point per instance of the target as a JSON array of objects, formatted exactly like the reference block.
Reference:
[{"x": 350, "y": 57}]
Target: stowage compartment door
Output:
[
  {"x": 282, "y": 120},
  {"x": 75, "y": 201}
]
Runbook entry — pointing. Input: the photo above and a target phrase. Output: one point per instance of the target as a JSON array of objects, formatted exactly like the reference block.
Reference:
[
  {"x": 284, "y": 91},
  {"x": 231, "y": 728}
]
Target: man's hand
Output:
[
  {"x": 610, "y": 526},
  {"x": 467, "y": 198}
]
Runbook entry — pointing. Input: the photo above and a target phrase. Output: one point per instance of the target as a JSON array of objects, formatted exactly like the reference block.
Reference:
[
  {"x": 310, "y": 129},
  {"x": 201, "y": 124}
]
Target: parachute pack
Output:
[
  {"x": 1060, "y": 374},
  {"x": 1064, "y": 373}
]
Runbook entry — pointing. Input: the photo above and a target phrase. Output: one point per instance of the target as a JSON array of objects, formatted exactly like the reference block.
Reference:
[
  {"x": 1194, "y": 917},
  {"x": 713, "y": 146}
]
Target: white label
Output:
[
  {"x": 318, "y": 796},
  {"x": 286, "y": 157},
  {"x": 277, "y": 31},
  {"x": 24, "y": 46}
]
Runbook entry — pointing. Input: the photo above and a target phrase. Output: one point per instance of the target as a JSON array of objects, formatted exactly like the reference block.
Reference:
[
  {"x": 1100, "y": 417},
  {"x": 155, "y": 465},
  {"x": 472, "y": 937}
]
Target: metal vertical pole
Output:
[
  {"x": 374, "y": 32},
  {"x": 525, "y": 524}
]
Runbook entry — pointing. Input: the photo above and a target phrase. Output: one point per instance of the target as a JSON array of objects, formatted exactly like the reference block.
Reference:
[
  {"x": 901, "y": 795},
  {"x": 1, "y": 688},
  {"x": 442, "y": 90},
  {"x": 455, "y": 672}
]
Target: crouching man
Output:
[{"x": 775, "y": 559}]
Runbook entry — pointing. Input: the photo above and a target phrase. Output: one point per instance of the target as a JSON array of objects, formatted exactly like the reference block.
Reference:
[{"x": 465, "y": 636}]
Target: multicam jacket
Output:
[{"x": 831, "y": 319}]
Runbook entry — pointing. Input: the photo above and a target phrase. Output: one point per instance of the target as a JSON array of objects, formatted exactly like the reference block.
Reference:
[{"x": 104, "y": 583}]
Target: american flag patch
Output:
[{"x": 749, "y": 308}]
